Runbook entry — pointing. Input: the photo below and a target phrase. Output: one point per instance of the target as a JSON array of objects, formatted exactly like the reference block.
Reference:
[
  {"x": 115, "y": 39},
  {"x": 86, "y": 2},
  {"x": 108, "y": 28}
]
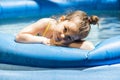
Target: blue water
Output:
[{"x": 109, "y": 25}]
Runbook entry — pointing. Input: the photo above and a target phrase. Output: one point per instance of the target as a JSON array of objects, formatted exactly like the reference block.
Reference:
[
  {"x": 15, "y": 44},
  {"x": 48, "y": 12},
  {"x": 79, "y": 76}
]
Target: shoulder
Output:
[{"x": 46, "y": 20}]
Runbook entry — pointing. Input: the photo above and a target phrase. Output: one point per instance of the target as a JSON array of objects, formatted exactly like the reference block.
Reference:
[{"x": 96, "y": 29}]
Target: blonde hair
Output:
[
  {"x": 82, "y": 21},
  {"x": 82, "y": 15}
]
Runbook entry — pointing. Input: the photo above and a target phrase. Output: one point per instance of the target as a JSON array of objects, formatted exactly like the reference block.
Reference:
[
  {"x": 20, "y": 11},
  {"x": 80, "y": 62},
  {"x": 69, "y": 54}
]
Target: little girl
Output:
[{"x": 69, "y": 30}]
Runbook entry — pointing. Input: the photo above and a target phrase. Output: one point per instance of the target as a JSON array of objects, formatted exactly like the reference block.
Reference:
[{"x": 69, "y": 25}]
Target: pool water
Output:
[{"x": 109, "y": 26}]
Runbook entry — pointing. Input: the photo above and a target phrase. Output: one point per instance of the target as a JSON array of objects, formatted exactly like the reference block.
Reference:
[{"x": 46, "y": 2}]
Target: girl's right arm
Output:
[
  {"x": 28, "y": 34},
  {"x": 28, "y": 38}
]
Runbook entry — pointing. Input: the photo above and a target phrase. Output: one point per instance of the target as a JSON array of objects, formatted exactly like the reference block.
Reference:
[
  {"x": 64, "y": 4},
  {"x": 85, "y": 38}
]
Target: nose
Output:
[{"x": 62, "y": 36}]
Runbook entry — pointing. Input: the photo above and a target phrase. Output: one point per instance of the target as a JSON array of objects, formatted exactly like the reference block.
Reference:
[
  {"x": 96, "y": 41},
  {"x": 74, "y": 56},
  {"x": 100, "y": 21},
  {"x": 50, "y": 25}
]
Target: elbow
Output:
[{"x": 19, "y": 38}]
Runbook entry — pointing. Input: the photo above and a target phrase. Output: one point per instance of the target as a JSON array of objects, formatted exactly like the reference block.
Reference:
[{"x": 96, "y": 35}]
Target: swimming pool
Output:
[{"x": 109, "y": 25}]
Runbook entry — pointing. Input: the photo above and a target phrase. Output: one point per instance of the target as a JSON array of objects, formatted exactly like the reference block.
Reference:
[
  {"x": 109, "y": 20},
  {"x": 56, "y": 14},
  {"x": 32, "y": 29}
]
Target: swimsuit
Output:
[{"x": 45, "y": 31}]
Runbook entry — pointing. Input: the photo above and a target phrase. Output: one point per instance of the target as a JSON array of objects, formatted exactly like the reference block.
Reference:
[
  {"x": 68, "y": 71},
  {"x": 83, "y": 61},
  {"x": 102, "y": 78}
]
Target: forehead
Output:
[{"x": 70, "y": 24}]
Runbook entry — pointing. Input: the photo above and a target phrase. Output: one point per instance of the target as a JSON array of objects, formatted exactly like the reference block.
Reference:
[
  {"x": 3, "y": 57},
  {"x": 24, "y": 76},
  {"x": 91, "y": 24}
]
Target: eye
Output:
[
  {"x": 65, "y": 30},
  {"x": 85, "y": 18}
]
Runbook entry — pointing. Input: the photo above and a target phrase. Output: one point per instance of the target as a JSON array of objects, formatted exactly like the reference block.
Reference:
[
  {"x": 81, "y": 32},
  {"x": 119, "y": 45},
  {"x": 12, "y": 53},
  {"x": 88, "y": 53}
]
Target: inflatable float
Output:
[{"x": 39, "y": 55}]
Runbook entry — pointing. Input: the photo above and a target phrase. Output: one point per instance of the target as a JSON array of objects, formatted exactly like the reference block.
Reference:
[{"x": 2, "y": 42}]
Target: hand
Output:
[{"x": 46, "y": 41}]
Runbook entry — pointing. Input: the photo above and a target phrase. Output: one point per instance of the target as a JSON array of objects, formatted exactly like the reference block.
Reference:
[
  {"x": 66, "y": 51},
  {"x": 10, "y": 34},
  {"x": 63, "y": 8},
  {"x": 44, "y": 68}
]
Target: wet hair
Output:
[
  {"x": 75, "y": 14},
  {"x": 93, "y": 20},
  {"x": 83, "y": 22},
  {"x": 82, "y": 16}
]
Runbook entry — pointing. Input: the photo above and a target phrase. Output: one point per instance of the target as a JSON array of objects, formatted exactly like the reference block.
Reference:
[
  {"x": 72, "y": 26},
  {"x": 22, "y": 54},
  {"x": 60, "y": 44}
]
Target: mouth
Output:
[{"x": 69, "y": 38}]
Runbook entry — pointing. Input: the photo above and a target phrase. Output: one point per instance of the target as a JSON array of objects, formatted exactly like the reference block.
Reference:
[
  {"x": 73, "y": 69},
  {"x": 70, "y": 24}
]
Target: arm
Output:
[
  {"x": 28, "y": 38},
  {"x": 85, "y": 45},
  {"x": 28, "y": 34}
]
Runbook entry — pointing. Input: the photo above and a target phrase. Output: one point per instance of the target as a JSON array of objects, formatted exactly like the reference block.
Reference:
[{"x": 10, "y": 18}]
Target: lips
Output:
[{"x": 69, "y": 38}]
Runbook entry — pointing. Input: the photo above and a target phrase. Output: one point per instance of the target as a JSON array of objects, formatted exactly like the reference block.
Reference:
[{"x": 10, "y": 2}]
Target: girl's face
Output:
[{"x": 66, "y": 31}]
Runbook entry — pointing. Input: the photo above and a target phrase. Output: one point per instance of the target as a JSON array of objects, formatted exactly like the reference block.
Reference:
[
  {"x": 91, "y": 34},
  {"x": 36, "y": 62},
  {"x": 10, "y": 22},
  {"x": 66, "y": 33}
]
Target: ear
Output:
[{"x": 62, "y": 18}]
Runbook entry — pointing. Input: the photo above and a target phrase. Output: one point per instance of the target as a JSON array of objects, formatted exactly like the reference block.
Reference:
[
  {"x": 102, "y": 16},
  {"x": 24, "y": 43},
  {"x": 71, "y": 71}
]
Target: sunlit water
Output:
[{"x": 109, "y": 27}]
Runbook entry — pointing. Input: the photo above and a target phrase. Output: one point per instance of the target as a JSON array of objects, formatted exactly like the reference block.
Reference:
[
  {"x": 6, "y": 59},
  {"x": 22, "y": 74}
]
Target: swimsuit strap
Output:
[{"x": 46, "y": 29}]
